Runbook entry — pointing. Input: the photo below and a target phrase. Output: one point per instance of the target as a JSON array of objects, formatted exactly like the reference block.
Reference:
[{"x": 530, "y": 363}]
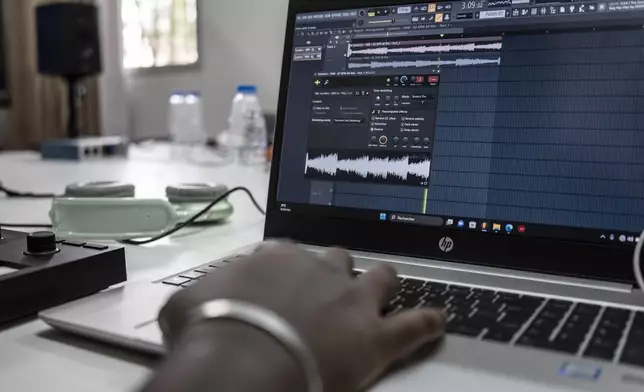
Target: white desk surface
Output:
[{"x": 35, "y": 358}]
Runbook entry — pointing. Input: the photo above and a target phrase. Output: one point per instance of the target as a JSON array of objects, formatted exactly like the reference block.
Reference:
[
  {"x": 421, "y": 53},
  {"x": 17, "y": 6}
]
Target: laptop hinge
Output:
[
  {"x": 493, "y": 271},
  {"x": 555, "y": 279},
  {"x": 522, "y": 275}
]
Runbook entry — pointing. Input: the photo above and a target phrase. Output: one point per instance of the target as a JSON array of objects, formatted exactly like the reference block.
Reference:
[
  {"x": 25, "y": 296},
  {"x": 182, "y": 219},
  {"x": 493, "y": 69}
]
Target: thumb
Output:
[{"x": 407, "y": 331}]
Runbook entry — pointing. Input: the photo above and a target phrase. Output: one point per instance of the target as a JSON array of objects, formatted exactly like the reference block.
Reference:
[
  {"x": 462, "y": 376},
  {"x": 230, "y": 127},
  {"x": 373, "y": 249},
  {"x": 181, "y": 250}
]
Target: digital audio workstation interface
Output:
[{"x": 514, "y": 117}]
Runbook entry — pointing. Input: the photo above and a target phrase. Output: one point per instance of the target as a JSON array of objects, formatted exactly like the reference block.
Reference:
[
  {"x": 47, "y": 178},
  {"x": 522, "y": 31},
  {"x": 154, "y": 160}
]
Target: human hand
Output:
[{"x": 338, "y": 316}]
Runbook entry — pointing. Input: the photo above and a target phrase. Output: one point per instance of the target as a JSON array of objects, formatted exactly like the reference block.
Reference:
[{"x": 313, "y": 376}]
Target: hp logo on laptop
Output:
[{"x": 446, "y": 244}]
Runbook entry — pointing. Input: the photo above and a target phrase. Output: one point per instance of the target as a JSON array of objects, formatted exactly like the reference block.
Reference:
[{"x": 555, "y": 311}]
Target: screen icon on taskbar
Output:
[
  {"x": 472, "y": 225},
  {"x": 450, "y": 222}
]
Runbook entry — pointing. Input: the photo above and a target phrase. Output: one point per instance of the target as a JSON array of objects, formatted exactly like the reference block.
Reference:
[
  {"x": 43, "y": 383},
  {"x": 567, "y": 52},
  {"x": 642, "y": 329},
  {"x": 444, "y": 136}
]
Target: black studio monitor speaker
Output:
[
  {"x": 68, "y": 40},
  {"x": 69, "y": 47}
]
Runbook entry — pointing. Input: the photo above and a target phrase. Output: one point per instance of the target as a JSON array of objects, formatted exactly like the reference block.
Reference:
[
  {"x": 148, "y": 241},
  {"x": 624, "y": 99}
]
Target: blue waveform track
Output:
[
  {"x": 440, "y": 48},
  {"x": 378, "y": 167},
  {"x": 424, "y": 63}
]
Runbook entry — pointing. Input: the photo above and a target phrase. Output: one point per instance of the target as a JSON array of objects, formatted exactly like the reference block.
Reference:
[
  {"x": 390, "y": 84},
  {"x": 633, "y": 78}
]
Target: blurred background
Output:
[{"x": 150, "y": 49}]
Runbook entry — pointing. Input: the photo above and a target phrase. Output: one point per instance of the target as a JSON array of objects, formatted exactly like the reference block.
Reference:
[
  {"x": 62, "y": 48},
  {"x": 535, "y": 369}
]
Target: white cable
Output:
[{"x": 637, "y": 265}]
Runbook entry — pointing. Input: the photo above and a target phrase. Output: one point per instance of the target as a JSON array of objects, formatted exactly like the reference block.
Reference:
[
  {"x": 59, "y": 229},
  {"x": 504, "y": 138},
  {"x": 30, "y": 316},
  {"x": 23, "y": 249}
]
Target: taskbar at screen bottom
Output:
[{"x": 474, "y": 225}]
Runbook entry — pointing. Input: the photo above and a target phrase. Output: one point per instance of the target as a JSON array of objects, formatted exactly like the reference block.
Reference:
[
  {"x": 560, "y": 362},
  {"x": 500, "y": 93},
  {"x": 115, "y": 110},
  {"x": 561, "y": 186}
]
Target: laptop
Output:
[{"x": 491, "y": 151}]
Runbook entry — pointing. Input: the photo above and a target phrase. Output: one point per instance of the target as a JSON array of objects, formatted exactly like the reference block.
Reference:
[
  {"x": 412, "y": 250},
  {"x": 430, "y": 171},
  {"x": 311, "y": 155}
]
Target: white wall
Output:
[
  {"x": 230, "y": 55},
  {"x": 115, "y": 112}
]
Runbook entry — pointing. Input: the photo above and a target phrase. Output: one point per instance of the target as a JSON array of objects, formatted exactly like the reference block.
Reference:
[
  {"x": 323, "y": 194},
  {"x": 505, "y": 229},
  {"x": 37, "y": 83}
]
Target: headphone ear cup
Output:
[
  {"x": 190, "y": 199},
  {"x": 195, "y": 193},
  {"x": 100, "y": 189}
]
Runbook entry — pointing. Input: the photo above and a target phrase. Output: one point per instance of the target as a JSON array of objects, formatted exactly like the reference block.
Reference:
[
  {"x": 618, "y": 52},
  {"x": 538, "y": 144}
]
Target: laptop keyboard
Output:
[{"x": 585, "y": 330}]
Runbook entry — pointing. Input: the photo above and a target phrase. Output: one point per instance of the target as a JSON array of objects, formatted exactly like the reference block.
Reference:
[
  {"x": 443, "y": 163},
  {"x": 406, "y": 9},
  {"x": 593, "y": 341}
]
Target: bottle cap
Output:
[{"x": 247, "y": 89}]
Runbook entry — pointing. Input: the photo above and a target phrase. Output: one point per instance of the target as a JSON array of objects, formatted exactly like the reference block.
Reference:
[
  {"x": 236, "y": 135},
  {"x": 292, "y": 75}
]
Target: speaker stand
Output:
[
  {"x": 79, "y": 148},
  {"x": 72, "y": 94}
]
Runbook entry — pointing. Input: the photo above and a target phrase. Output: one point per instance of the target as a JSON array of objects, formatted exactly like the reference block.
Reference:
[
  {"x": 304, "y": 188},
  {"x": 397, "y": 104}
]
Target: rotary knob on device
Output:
[{"x": 41, "y": 243}]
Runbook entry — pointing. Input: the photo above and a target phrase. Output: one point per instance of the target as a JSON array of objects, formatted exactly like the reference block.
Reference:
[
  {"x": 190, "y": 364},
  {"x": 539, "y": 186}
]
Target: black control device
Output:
[{"x": 38, "y": 271}]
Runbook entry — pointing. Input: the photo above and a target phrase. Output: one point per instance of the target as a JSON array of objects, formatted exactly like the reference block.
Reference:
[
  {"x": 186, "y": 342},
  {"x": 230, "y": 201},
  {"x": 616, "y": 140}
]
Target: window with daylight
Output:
[{"x": 159, "y": 33}]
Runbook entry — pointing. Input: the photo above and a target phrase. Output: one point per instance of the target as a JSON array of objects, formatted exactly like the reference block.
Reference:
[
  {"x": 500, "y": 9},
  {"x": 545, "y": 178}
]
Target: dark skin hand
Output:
[{"x": 337, "y": 316}]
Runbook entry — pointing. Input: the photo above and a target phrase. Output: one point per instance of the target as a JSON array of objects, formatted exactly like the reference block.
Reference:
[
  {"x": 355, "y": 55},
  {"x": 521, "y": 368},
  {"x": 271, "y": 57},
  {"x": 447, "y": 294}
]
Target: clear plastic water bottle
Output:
[
  {"x": 246, "y": 134},
  {"x": 185, "y": 121}
]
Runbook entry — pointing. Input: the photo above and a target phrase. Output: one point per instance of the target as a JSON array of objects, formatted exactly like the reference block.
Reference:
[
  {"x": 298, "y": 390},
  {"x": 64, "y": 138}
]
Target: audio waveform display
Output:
[
  {"x": 427, "y": 49},
  {"x": 379, "y": 167},
  {"x": 499, "y": 3},
  {"x": 424, "y": 63}
]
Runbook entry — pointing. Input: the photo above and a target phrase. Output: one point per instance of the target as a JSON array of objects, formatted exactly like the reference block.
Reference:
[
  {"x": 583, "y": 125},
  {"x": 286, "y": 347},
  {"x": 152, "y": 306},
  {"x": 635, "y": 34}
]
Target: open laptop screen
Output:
[{"x": 511, "y": 117}]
